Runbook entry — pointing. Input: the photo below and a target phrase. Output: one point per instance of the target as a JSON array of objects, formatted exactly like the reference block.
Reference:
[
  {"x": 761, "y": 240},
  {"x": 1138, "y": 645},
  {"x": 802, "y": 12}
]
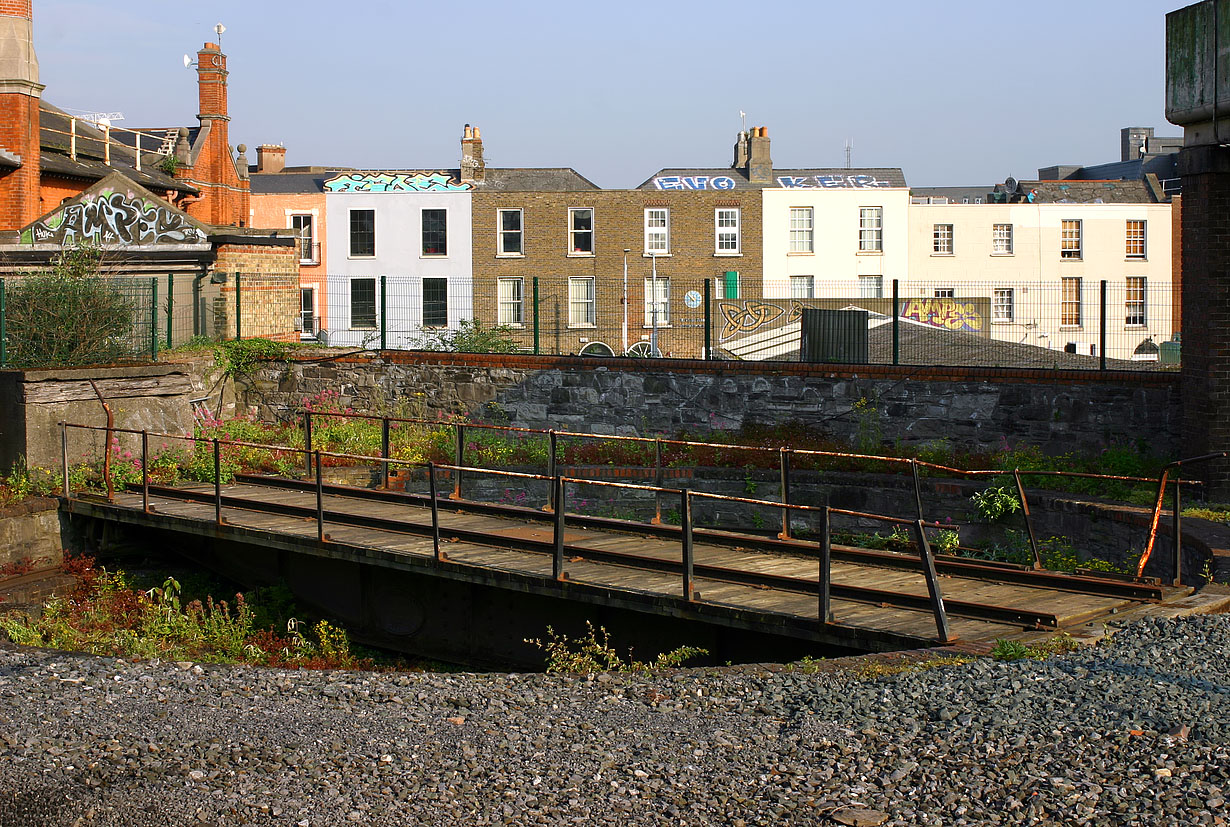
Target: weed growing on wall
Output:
[{"x": 593, "y": 652}]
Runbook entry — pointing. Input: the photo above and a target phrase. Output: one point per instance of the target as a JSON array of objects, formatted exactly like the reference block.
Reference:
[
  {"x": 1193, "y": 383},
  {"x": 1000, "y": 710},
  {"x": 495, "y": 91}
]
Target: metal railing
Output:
[{"x": 83, "y": 134}]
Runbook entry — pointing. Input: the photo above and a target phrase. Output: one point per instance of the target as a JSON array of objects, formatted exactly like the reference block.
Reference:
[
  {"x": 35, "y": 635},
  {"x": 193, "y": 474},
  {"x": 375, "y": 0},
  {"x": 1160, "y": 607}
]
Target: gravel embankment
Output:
[{"x": 1079, "y": 739}]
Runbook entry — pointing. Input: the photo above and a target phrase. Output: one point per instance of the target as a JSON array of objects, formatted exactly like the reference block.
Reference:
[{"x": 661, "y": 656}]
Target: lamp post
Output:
[{"x": 626, "y": 251}]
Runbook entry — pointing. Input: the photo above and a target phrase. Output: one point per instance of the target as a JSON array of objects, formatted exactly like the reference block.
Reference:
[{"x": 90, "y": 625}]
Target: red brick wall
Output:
[
  {"x": 54, "y": 190},
  {"x": 19, "y": 189},
  {"x": 16, "y": 8},
  {"x": 225, "y": 197}
]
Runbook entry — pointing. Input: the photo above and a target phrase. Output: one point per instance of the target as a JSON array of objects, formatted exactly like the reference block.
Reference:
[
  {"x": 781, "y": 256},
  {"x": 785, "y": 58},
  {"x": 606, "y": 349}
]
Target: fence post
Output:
[
  {"x": 384, "y": 316},
  {"x": 557, "y": 559},
  {"x": 64, "y": 457},
  {"x": 552, "y": 440},
  {"x": 217, "y": 483},
  {"x": 4, "y": 337},
  {"x": 307, "y": 441},
  {"x": 657, "y": 481},
  {"x": 536, "y": 327},
  {"x": 784, "y": 457},
  {"x": 459, "y": 454},
  {"x": 1177, "y": 569},
  {"x": 435, "y": 510},
  {"x": 1102, "y": 330},
  {"x": 320, "y": 501},
  {"x": 933, "y": 583},
  {"x": 153, "y": 317},
  {"x": 1029, "y": 526},
  {"x": 685, "y": 518},
  {"x": 145, "y": 471},
  {"x": 826, "y": 565},
  {"x": 896, "y": 324},
  {"x": 384, "y": 451},
  {"x": 708, "y": 320},
  {"x": 238, "y": 310},
  {"x": 170, "y": 308}
]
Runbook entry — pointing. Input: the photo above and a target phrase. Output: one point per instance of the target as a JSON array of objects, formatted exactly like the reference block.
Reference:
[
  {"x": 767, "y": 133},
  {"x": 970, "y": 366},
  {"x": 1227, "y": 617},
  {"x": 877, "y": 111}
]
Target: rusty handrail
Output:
[{"x": 1177, "y": 559}]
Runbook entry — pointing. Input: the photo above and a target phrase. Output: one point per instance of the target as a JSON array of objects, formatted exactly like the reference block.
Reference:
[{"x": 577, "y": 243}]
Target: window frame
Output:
[
  {"x": 998, "y": 295},
  {"x": 358, "y": 237},
  {"x": 573, "y": 232},
  {"x": 438, "y": 305},
  {"x": 942, "y": 240},
  {"x": 871, "y": 286},
  {"x": 944, "y": 293},
  {"x": 664, "y": 231},
  {"x": 516, "y": 304},
  {"x": 871, "y": 229},
  {"x": 1001, "y": 240},
  {"x": 1071, "y": 239},
  {"x": 356, "y": 323},
  {"x": 1139, "y": 286},
  {"x": 1071, "y": 307},
  {"x": 440, "y": 233},
  {"x": 662, "y": 298},
  {"x": 589, "y": 303},
  {"x": 802, "y": 238},
  {"x": 312, "y": 257},
  {"x": 720, "y": 231},
  {"x": 502, "y": 235},
  {"x": 809, "y": 291},
  {"x": 1131, "y": 240}
]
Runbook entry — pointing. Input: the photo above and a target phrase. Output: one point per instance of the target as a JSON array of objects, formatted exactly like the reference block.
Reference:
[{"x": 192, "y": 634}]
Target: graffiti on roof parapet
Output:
[
  {"x": 394, "y": 182},
  {"x": 113, "y": 218}
]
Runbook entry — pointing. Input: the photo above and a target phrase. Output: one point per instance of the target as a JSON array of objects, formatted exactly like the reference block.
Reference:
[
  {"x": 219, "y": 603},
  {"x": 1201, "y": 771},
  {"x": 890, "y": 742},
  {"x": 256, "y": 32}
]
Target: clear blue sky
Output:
[{"x": 955, "y": 93}]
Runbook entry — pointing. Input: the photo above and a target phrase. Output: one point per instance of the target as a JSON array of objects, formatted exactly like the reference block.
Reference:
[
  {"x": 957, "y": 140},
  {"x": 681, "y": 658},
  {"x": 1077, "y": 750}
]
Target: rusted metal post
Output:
[
  {"x": 784, "y": 463},
  {"x": 1029, "y": 526},
  {"x": 64, "y": 457},
  {"x": 557, "y": 559},
  {"x": 107, "y": 448},
  {"x": 1157, "y": 516},
  {"x": 384, "y": 452},
  {"x": 917, "y": 489},
  {"x": 826, "y": 566},
  {"x": 320, "y": 500},
  {"x": 1177, "y": 569},
  {"x": 657, "y": 480},
  {"x": 435, "y": 510},
  {"x": 307, "y": 442},
  {"x": 933, "y": 583},
  {"x": 145, "y": 471},
  {"x": 685, "y": 518},
  {"x": 459, "y": 455},
  {"x": 217, "y": 482},
  {"x": 551, "y": 446}
]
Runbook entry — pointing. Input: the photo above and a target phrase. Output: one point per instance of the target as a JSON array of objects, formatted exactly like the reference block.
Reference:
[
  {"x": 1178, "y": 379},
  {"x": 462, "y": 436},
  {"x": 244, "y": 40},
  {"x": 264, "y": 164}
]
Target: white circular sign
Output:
[{"x": 692, "y": 299}]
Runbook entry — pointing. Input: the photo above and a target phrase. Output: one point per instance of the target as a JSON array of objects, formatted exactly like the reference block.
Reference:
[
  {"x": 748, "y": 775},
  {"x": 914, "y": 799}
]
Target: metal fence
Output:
[{"x": 1073, "y": 323}]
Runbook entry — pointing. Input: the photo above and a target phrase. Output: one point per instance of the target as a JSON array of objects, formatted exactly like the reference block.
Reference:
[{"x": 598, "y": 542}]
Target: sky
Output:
[{"x": 954, "y": 93}]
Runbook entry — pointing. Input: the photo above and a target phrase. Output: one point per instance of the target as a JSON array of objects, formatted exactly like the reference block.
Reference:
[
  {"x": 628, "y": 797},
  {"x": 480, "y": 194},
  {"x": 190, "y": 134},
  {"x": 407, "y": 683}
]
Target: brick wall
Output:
[
  {"x": 618, "y": 225},
  {"x": 269, "y": 291},
  {"x": 19, "y": 134},
  {"x": 55, "y": 189},
  {"x": 16, "y": 8}
]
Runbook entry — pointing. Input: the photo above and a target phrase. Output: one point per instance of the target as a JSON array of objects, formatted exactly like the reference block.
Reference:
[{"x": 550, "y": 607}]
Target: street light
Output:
[{"x": 626, "y": 251}]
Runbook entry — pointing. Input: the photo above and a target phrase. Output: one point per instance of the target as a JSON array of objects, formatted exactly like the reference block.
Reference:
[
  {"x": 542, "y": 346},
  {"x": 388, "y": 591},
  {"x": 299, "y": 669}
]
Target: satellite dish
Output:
[
  {"x": 187, "y": 61},
  {"x": 219, "y": 29},
  {"x": 1010, "y": 184}
]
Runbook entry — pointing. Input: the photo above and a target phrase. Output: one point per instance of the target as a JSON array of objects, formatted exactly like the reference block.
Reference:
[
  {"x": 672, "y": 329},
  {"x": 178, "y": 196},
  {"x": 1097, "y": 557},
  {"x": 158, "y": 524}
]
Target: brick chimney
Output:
[
  {"x": 19, "y": 115},
  {"x": 759, "y": 164},
  {"x": 473, "y": 168},
  {"x": 270, "y": 158},
  {"x": 740, "y": 152},
  {"x": 225, "y": 195}
]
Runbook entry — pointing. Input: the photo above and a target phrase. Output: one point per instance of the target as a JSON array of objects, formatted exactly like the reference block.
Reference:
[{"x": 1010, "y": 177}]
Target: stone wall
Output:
[
  {"x": 973, "y": 408},
  {"x": 30, "y": 536}
]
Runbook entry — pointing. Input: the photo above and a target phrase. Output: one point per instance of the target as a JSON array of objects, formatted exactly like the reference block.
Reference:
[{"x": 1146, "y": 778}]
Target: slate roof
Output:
[
  {"x": 55, "y": 140},
  {"x": 292, "y": 182},
  {"x": 527, "y": 179},
  {"x": 1069, "y": 191},
  {"x": 955, "y": 195},
  {"x": 825, "y": 178}
]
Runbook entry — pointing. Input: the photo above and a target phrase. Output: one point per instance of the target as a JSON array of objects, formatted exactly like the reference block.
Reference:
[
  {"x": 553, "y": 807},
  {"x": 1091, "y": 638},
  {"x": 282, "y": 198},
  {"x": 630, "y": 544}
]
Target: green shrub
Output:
[
  {"x": 995, "y": 503},
  {"x": 588, "y": 654}
]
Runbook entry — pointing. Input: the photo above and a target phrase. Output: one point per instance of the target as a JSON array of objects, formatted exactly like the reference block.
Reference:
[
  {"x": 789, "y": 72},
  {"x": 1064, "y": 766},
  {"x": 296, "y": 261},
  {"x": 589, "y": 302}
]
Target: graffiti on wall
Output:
[
  {"x": 114, "y": 218},
  {"x": 394, "y": 182},
  {"x": 740, "y": 318},
  {"x": 694, "y": 182},
  {"x": 831, "y": 181},
  {"x": 948, "y": 314}
]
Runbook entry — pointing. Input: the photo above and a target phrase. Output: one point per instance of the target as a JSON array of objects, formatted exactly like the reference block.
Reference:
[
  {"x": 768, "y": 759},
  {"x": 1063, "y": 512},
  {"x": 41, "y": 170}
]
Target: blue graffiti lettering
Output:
[
  {"x": 723, "y": 183},
  {"x": 669, "y": 182},
  {"x": 698, "y": 182},
  {"x": 388, "y": 182}
]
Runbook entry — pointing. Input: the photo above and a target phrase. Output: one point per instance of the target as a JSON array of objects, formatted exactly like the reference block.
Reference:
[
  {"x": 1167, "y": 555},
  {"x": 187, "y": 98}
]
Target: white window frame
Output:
[
  {"x": 503, "y": 236},
  {"x": 1136, "y": 239},
  {"x": 871, "y": 229},
  {"x": 582, "y": 302},
  {"x": 657, "y": 231},
  {"x": 510, "y": 301},
  {"x": 309, "y": 318},
  {"x": 726, "y": 235},
  {"x": 802, "y": 287},
  {"x": 312, "y": 256},
  {"x": 1070, "y": 310},
  {"x": 871, "y": 287},
  {"x": 1070, "y": 239},
  {"x": 1135, "y": 302},
  {"x": 802, "y": 230},
  {"x": 573, "y": 232},
  {"x": 1001, "y": 239},
  {"x": 1003, "y": 305},
  {"x": 941, "y": 240},
  {"x": 663, "y": 297}
]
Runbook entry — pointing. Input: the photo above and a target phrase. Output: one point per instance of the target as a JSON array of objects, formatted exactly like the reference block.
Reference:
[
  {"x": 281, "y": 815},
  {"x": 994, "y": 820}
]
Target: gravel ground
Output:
[{"x": 1136, "y": 731}]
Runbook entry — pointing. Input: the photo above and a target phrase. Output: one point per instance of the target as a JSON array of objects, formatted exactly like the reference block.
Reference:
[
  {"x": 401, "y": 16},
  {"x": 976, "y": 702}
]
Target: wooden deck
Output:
[{"x": 639, "y": 568}]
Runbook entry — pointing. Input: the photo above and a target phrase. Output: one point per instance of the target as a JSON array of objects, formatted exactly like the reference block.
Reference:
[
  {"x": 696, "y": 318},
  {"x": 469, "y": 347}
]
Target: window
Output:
[
  {"x": 363, "y": 303},
  {"x": 945, "y": 293},
  {"x": 1070, "y": 302},
  {"x": 581, "y": 303},
  {"x": 871, "y": 287},
  {"x": 1001, "y": 240},
  {"x": 1134, "y": 302},
  {"x": 362, "y": 233},
  {"x": 726, "y": 228},
  {"x": 305, "y": 233},
  {"x": 1136, "y": 239},
  {"x": 657, "y": 231},
  {"x": 942, "y": 240},
  {"x": 730, "y": 284},
  {"x": 1002, "y": 305},
  {"x": 307, "y": 310},
  {"x": 802, "y": 287},
  {"x": 435, "y": 301},
  {"x": 435, "y": 232},
  {"x": 659, "y": 301},
  {"x": 801, "y": 237},
  {"x": 509, "y": 232},
  {"x": 581, "y": 231},
  {"x": 1070, "y": 239},
  {"x": 510, "y": 302},
  {"x": 871, "y": 229}
]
